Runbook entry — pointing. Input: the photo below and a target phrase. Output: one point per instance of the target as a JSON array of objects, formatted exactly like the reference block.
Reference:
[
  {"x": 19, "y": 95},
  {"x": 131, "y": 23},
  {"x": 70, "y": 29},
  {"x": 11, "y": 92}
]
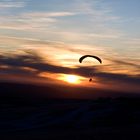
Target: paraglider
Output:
[
  {"x": 84, "y": 56},
  {"x": 90, "y": 79},
  {"x": 93, "y": 56}
]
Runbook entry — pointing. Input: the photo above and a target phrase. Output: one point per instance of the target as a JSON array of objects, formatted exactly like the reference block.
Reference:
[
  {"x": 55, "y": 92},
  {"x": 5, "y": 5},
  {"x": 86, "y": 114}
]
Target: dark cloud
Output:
[
  {"x": 18, "y": 70},
  {"x": 122, "y": 62},
  {"x": 33, "y": 60},
  {"x": 118, "y": 78}
]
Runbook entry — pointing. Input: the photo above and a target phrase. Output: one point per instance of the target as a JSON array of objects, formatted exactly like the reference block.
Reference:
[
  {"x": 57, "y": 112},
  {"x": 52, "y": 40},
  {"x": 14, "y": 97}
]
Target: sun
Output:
[{"x": 72, "y": 79}]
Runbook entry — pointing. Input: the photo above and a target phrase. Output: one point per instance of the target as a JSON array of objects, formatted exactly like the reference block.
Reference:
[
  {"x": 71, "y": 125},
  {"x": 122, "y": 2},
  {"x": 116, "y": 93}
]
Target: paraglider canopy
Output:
[{"x": 93, "y": 56}]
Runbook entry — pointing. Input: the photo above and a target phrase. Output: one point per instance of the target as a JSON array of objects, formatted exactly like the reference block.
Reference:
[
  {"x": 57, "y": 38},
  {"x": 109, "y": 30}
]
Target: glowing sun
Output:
[{"x": 71, "y": 79}]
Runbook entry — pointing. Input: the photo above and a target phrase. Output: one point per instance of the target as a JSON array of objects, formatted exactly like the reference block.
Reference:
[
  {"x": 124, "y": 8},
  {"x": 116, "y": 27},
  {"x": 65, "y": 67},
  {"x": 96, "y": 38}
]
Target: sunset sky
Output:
[{"x": 42, "y": 40}]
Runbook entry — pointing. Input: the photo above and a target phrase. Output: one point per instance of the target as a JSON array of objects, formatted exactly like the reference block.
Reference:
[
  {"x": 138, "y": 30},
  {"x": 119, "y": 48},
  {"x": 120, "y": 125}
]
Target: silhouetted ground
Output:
[{"x": 36, "y": 112}]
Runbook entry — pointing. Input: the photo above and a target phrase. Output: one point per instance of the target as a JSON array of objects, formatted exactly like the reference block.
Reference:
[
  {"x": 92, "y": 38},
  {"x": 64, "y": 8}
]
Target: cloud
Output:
[
  {"x": 118, "y": 78},
  {"x": 31, "y": 21},
  {"x": 99, "y": 11},
  {"x": 31, "y": 60},
  {"x": 127, "y": 63},
  {"x": 11, "y": 4},
  {"x": 132, "y": 41},
  {"x": 47, "y": 14},
  {"x": 104, "y": 36}
]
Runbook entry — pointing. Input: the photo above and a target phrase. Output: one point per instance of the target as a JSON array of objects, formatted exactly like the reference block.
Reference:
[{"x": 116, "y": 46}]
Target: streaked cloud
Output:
[
  {"x": 31, "y": 21},
  {"x": 11, "y": 4},
  {"x": 99, "y": 10},
  {"x": 47, "y": 14}
]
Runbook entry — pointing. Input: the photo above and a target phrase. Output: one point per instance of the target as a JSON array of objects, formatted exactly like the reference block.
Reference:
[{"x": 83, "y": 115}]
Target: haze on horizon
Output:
[{"x": 42, "y": 41}]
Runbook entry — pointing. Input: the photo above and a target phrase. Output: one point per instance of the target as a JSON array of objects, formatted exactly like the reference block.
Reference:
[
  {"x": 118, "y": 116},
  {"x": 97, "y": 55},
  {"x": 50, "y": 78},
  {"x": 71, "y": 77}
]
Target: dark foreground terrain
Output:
[{"x": 25, "y": 115}]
